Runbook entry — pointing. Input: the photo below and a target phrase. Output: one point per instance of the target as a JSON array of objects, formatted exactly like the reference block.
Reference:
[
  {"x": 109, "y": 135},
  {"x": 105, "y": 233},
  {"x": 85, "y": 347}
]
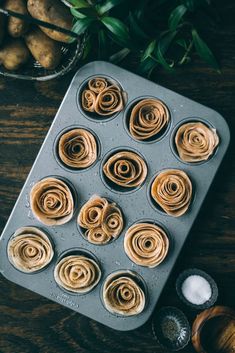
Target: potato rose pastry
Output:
[
  {"x": 102, "y": 220},
  {"x": 77, "y": 148},
  {"x": 52, "y": 201},
  {"x": 172, "y": 191},
  {"x": 102, "y": 97},
  {"x": 29, "y": 249},
  {"x": 126, "y": 168},
  {"x": 122, "y": 295},
  {"x": 146, "y": 244},
  {"x": 195, "y": 142},
  {"x": 77, "y": 273},
  {"x": 148, "y": 118}
]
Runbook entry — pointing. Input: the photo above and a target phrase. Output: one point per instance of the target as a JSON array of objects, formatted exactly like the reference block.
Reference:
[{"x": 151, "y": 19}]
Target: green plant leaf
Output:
[
  {"x": 162, "y": 47},
  {"x": 76, "y": 13},
  {"x": 149, "y": 50},
  {"x": 136, "y": 30},
  {"x": 87, "y": 12},
  {"x": 87, "y": 48},
  {"x": 103, "y": 44},
  {"x": 123, "y": 43},
  {"x": 204, "y": 51},
  {"x": 175, "y": 16},
  {"x": 80, "y": 26},
  {"x": 79, "y": 3},
  {"x": 146, "y": 67},
  {"x": 119, "y": 56},
  {"x": 182, "y": 43},
  {"x": 117, "y": 27},
  {"x": 107, "y": 5}
]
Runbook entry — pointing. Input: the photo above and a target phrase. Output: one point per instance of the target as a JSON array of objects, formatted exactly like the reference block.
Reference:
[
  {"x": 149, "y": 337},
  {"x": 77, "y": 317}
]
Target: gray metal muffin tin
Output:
[{"x": 136, "y": 204}]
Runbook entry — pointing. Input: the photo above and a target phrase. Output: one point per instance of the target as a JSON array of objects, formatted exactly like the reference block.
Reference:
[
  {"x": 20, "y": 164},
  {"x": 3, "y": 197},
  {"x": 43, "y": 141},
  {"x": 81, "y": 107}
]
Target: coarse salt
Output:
[{"x": 196, "y": 289}]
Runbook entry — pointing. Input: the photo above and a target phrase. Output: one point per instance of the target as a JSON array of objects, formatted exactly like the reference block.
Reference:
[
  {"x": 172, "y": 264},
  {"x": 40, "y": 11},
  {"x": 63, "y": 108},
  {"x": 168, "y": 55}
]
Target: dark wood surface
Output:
[{"x": 32, "y": 324}]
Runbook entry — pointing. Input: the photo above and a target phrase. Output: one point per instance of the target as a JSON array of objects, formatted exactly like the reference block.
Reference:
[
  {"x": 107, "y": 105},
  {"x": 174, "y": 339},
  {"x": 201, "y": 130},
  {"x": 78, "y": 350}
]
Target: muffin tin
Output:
[{"x": 136, "y": 204}]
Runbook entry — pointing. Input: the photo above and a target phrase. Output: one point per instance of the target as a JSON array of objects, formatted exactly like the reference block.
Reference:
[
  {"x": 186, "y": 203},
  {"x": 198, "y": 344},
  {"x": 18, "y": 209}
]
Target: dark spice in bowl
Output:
[{"x": 171, "y": 328}]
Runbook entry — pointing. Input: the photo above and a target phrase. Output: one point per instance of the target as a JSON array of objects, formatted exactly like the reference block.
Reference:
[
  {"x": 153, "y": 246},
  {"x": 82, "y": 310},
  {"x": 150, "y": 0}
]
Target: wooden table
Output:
[{"x": 30, "y": 323}]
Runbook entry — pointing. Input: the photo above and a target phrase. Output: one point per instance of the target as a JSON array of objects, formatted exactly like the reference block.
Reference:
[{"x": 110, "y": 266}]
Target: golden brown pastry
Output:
[
  {"x": 195, "y": 142},
  {"x": 77, "y": 148},
  {"x": 146, "y": 244},
  {"x": 109, "y": 101},
  {"x": 122, "y": 295},
  {"x": 148, "y": 118},
  {"x": 52, "y": 201},
  {"x": 97, "y": 84},
  {"x": 102, "y": 97},
  {"x": 88, "y": 100},
  {"x": 126, "y": 169},
  {"x": 77, "y": 273},
  {"x": 172, "y": 191},
  {"x": 101, "y": 219},
  {"x": 29, "y": 249}
]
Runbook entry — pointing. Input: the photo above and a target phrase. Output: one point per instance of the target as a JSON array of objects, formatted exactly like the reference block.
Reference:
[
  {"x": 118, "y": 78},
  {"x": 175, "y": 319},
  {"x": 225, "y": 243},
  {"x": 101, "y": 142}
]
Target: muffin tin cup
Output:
[
  {"x": 134, "y": 204},
  {"x": 172, "y": 140},
  {"x": 155, "y": 138},
  {"x": 79, "y": 252},
  {"x": 94, "y": 116},
  {"x": 156, "y": 206},
  {"x": 132, "y": 275},
  {"x": 56, "y": 153},
  {"x": 41, "y": 228}
]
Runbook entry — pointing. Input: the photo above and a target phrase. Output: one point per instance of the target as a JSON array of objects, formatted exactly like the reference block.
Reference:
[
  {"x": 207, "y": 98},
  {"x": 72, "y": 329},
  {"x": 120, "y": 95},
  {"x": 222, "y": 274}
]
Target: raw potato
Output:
[
  {"x": 52, "y": 11},
  {"x": 16, "y": 26},
  {"x": 45, "y": 50},
  {"x": 2, "y": 27},
  {"x": 14, "y": 54}
]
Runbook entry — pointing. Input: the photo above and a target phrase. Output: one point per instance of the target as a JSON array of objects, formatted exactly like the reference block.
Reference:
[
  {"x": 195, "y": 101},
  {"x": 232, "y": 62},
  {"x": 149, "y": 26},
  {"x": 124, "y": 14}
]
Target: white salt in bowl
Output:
[{"x": 196, "y": 289}]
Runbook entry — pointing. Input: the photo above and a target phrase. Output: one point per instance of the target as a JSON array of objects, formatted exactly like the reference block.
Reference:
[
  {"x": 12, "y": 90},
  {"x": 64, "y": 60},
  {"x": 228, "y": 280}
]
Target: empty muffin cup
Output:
[
  {"x": 196, "y": 289},
  {"x": 171, "y": 328}
]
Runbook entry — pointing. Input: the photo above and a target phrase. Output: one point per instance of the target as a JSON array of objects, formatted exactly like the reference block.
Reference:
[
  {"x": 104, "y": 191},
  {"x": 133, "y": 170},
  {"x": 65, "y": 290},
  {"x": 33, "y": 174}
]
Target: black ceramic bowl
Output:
[
  {"x": 171, "y": 328},
  {"x": 214, "y": 289}
]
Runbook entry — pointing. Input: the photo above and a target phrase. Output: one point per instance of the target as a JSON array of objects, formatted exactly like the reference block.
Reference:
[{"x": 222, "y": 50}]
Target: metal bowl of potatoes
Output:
[{"x": 35, "y": 41}]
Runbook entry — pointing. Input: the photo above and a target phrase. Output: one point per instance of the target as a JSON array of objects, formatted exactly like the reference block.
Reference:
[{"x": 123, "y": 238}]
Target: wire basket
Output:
[{"x": 33, "y": 71}]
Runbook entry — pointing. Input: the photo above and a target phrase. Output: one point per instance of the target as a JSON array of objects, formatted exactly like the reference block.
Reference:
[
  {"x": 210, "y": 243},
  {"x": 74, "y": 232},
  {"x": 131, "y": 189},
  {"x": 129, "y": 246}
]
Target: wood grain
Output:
[{"x": 30, "y": 323}]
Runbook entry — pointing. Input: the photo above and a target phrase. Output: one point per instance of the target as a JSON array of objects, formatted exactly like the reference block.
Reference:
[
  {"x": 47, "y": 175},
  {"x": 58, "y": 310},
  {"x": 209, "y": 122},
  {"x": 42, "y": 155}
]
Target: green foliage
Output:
[{"x": 154, "y": 32}]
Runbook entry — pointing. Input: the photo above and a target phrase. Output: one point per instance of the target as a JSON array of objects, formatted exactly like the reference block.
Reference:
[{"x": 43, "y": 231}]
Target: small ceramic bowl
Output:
[
  {"x": 214, "y": 330},
  {"x": 171, "y": 328},
  {"x": 192, "y": 272}
]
